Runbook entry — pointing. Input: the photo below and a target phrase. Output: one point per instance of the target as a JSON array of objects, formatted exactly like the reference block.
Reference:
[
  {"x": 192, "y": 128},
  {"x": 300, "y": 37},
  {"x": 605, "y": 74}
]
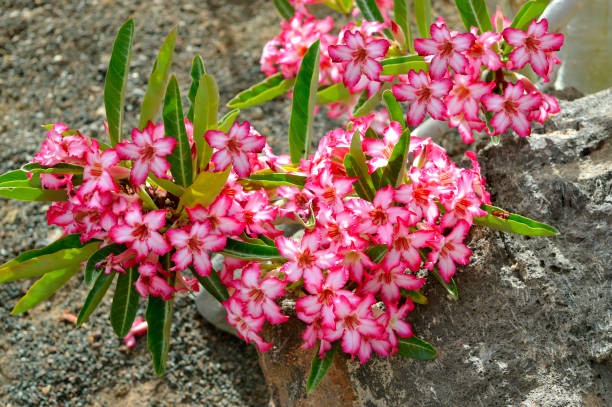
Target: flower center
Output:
[
  {"x": 141, "y": 231},
  {"x": 379, "y": 216},
  {"x": 360, "y": 55},
  {"x": 446, "y": 49},
  {"x": 401, "y": 244},
  {"x": 329, "y": 194},
  {"x": 147, "y": 152},
  {"x": 423, "y": 95},
  {"x": 96, "y": 170},
  {"x": 351, "y": 322},
  {"x": 257, "y": 295},
  {"x": 306, "y": 259},
  {"x": 233, "y": 145},
  {"x": 326, "y": 297},
  {"x": 476, "y": 51},
  {"x": 462, "y": 92},
  {"x": 532, "y": 44},
  {"x": 510, "y": 107},
  {"x": 194, "y": 244}
]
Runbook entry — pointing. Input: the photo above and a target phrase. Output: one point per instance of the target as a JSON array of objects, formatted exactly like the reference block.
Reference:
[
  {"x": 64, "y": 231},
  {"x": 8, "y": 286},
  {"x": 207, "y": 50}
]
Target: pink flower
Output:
[
  {"x": 447, "y": 50},
  {"x": 258, "y": 295},
  {"x": 353, "y": 322},
  {"x": 388, "y": 281},
  {"x": 404, "y": 247},
  {"x": 232, "y": 147},
  {"x": 245, "y": 324},
  {"x": 139, "y": 328},
  {"x": 465, "y": 95},
  {"x": 321, "y": 300},
  {"x": 360, "y": 55},
  {"x": 305, "y": 259},
  {"x": 425, "y": 94},
  {"x": 193, "y": 244},
  {"x": 532, "y": 46},
  {"x": 450, "y": 249},
  {"x": 393, "y": 321},
  {"x": 465, "y": 126},
  {"x": 419, "y": 198},
  {"x": 257, "y": 214},
  {"x": 331, "y": 190},
  {"x": 355, "y": 261},
  {"x": 513, "y": 108},
  {"x": 481, "y": 52},
  {"x": 151, "y": 283},
  {"x": 218, "y": 216},
  {"x": 464, "y": 204},
  {"x": 380, "y": 150},
  {"x": 147, "y": 151},
  {"x": 297, "y": 202},
  {"x": 140, "y": 232},
  {"x": 97, "y": 173},
  {"x": 382, "y": 216}
]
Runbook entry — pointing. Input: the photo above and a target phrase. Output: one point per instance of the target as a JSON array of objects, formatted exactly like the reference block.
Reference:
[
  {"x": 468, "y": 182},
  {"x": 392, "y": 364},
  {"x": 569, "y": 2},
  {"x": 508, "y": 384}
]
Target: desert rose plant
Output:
[{"x": 382, "y": 212}]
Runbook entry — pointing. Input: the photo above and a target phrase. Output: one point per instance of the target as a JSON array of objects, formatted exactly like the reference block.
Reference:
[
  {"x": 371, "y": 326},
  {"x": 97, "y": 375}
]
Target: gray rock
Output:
[{"x": 533, "y": 324}]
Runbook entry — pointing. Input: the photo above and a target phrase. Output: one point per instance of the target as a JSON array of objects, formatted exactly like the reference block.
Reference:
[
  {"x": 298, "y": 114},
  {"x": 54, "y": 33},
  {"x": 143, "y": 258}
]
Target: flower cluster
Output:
[{"x": 472, "y": 81}]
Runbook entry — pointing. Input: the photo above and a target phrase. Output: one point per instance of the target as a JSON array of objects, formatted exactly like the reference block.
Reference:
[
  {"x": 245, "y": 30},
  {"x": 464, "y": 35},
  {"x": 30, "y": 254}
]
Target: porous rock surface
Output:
[{"x": 533, "y": 324}]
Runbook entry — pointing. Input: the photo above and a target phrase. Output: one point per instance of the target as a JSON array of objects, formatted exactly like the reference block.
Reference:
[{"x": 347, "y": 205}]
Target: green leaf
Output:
[
  {"x": 415, "y": 348},
  {"x": 401, "y": 16},
  {"x": 304, "y": 101},
  {"x": 15, "y": 175},
  {"x": 285, "y": 9},
  {"x": 174, "y": 125},
  {"x": 212, "y": 283},
  {"x": 371, "y": 12},
  {"x": 157, "y": 81},
  {"x": 264, "y": 91},
  {"x": 226, "y": 122},
  {"x": 333, "y": 93},
  {"x": 530, "y": 11},
  {"x": 403, "y": 65},
  {"x": 415, "y": 296},
  {"x": 125, "y": 303},
  {"x": 205, "y": 189},
  {"x": 206, "y": 108},
  {"x": 197, "y": 71},
  {"x": 393, "y": 173},
  {"x": 159, "y": 319},
  {"x": 61, "y": 168},
  {"x": 248, "y": 251},
  {"x": 91, "y": 273},
  {"x": 450, "y": 287},
  {"x": 377, "y": 253},
  {"x": 365, "y": 105},
  {"x": 33, "y": 194},
  {"x": 319, "y": 367},
  {"x": 59, "y": 268},
  {"x": 393, "y": 107},
  {"x": 499, "y": 219},
  {"x": 422, "y": 12},
  {"x": 116, "y": 81},
  {"x": 94, "y": 297},
  {"x": 474, "y": 13},
  {"x": 356, "y": 167},
  {"x": 8, "y": 272},
  {"x": 272, "y": 180},
  {"x": 167, "y": 185}
]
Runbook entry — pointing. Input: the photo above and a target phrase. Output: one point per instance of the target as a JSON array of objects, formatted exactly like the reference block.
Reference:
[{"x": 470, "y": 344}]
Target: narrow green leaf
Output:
[
  {"x": 422, "y": 12},
  {"x": 266, "y": 90},
  {"x": 393, "y": 107},
  {"x": 377, "y": 253},
  {"x": 116, "y": 81},
  {"x": 530, "y": 11},
  {"x": 371, "y": 12},
  {"x": 319, "y": 367},
  {"x": 226, "y": 122},
  {"x": 403, "y": 65},
  {"x": 90, "y": 268},
  {"x": 157, "y": 81},
  {"x": 272, "y": 180},
  {"x": 125, "y": 303},
  {"x": 206, "y": 108},
  {"x": 393, "y": 173},
  {"x": 159, "y": 319},
  {"x": 205, "y": 189},
  {"x": 61, "y": 168},
  {"x": 474, "y": 13},
  {"x": 33, "y": 194},
  {"x": 450, "y": 287},
  {"x": 197, "y": 71},
  {"x": 166, "y": 185},
  {"x": 304, "y": 101},
  {"x": 174, "y": 125},
  {"x": 333, "y": 93},
  {"x": 401, "y": 16},
  {"x": 356, "y": 167},
  {"x": 365, "y": 105},
  {"x": 285, "y": 9},
  {"x": 212, "y": 283},
  {"x": 499, "y": 219},
  {"x": 415, "y": 348},
  {"x": 247, "y": 251},
  {"x": 16, "y": 175},
  {"x": 94, "y": 297},
  {"x": 415, "y": 296},
  {"x": 40, "y": 261}
]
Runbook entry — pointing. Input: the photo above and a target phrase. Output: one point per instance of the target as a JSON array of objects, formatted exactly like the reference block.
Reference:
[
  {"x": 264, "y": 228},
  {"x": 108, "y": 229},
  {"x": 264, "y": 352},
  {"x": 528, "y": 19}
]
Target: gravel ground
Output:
[{"x": 53, "y": 58}]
